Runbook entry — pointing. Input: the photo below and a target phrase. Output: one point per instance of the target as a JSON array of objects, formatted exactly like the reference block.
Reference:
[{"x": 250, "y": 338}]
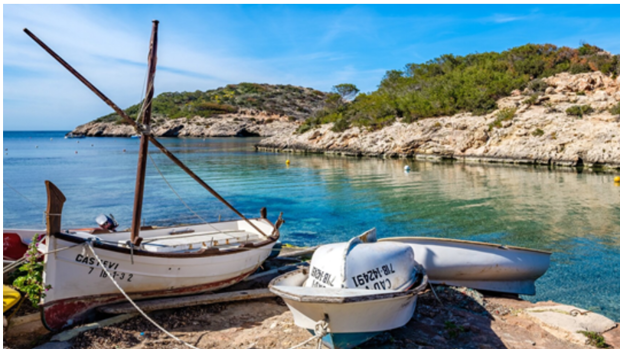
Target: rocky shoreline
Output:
[
  {"x": 540, "y": 131},
  {"x": 245, "y": 123}
]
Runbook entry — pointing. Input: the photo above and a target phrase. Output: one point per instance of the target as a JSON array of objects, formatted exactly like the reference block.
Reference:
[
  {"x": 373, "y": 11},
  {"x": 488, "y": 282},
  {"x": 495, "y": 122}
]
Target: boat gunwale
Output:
[
  {"x": 208, "y": 252},
  {"x": 347, "y": 299},
  {"x": 486, "y": 244}
]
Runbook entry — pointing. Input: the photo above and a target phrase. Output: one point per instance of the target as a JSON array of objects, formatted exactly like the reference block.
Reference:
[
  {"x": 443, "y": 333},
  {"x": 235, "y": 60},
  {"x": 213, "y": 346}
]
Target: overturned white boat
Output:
[
  {"x": 143, "y": 262},
  {"x": 353, "y": 291},
  {"x": 479, "y": 265}
]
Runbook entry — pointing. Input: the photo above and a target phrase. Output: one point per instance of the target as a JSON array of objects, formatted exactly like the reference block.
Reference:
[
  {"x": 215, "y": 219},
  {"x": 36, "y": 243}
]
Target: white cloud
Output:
[{"x": 112, "y": 56}]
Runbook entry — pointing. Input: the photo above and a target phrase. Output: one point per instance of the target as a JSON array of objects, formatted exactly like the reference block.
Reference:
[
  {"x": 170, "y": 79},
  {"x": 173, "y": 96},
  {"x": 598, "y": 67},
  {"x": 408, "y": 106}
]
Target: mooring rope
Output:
[
  {"x": 320, "y": 330},
  {"x": 132, "y": 302}
]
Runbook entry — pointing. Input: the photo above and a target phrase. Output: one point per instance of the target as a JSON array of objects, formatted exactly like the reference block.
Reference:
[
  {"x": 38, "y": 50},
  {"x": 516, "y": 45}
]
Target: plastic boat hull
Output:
[
  {"x": 478, "y": 265},
  {"x": 353, "y": 315}
]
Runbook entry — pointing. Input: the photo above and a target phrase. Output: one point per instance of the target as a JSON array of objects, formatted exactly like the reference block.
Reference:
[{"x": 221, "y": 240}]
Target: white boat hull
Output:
[
  {"x": 80, "y": 284},
  {"x": 478, "y": 265},
  {"x": 353, "y": 315}
]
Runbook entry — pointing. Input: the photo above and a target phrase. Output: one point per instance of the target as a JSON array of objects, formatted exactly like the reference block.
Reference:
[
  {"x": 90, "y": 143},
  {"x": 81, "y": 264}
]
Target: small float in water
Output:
[
  {"x": 479, "y": 265},
  {"x": 353, "y": 291}
]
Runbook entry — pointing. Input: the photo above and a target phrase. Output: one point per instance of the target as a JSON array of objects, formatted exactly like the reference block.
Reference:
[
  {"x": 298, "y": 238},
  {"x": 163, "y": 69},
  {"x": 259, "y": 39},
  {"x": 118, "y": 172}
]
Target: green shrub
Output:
[
  {"x": 594, "y": 339},
  {"x": 537, "y": 85},
  {"x": 503, "y": 115},
  {"x": 30, "y": 275},
  {"x": 453, "y": 84},
  {"x": 340, "y": 125},
  {"x": 579, "y": 110},
  {"x": 550, "y": 108},
  {"x": 615, "y": 110},
  {"x": 303, "y": 128},
  {"x": 538, "y": 132},
  {"x": 531, "y": 100}
]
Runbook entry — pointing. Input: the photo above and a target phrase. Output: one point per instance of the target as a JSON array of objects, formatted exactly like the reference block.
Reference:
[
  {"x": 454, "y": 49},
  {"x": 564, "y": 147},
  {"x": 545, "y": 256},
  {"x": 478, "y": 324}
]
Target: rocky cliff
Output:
[
  {"x": 244, "y": 123},
  {"x": 567, "y": 124},
  {"x": 244, "y": 109}
]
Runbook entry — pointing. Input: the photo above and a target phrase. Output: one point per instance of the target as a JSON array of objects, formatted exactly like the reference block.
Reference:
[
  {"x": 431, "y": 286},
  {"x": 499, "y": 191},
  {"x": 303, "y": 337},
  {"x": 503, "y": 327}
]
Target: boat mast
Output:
[
  {"x": 144, "y": 141},
  {"x": 140, "y": 130}
]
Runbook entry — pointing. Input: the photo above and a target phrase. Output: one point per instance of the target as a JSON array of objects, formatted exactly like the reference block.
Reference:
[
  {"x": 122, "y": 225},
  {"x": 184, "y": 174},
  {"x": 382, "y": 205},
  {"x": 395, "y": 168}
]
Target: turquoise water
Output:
[{"x": 328, "y": 199}]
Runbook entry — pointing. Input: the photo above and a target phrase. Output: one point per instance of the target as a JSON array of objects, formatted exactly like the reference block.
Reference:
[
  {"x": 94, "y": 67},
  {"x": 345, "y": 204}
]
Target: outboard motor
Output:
[
  {"x": 106, "y": 222},
  {"x": 363, "y": 263}
]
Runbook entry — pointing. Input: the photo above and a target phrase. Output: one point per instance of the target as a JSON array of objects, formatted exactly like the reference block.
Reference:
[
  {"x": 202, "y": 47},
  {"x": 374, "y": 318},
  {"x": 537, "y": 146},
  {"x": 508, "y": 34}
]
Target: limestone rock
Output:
[{"x": 543, "y": 134}]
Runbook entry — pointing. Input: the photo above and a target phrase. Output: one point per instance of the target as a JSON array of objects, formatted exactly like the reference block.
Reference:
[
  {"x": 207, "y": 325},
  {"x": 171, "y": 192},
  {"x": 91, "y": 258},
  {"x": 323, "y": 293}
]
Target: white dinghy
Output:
[
  {"x": 143, "y": 262},
  {"x": 353, "y": 291},
  {"x": 479, "y": 265}
]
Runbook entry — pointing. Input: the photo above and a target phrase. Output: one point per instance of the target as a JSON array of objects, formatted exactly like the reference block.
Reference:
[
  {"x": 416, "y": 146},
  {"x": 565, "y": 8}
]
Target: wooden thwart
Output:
[{"x": 180, "y": 302}]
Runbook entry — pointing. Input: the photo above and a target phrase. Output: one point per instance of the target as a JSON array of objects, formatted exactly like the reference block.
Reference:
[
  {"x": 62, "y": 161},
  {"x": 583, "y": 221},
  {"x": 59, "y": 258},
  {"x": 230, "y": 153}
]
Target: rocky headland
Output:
[
  {"x": 567, "y": 124},
  {"x": 244, "y": 123},
  {"x": 239, "y": 110},
  {"x": 572, "y": 122}
]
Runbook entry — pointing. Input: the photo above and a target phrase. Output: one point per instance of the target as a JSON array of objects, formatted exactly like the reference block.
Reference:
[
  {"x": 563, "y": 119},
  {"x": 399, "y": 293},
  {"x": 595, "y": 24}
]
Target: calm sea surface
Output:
[{"x": 329, "y": 199}]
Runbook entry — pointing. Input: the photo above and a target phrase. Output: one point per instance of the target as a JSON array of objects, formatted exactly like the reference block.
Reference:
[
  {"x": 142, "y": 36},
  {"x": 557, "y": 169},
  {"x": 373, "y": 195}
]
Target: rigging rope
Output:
[
  {"x": 178, "y": 196},
  {"x": 20, "y": 194},
  {"x": 143, "y": 93},
  {"x": 131, "y": 301}
]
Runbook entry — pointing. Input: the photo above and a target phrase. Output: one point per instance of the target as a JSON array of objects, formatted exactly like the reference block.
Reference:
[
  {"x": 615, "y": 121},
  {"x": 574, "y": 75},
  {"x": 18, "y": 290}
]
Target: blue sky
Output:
[{"x": 203, "y": 47}]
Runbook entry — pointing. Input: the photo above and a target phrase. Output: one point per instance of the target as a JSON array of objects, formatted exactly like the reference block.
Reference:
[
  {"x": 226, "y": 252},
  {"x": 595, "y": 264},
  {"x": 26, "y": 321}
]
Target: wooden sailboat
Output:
[{"x": 144, "y": 263}]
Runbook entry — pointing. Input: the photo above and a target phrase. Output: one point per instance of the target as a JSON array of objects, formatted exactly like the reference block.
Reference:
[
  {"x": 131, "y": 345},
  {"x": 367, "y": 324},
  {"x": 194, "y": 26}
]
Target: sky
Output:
[{"x": 203, "y": 47}]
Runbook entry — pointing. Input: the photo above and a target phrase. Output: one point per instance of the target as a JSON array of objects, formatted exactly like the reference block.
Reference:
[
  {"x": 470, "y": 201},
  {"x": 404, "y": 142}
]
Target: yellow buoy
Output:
[
  {"x": 617, "y": 179},
  {"x": 288, "y": 162}
]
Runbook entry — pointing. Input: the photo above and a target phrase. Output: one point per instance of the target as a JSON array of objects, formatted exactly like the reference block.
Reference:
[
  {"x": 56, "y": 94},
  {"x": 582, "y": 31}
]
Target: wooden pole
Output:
[
  {"x": 144, "y": 142},
  {"x": 138, "y": 129},
  {"x": 55, "y": 201}
]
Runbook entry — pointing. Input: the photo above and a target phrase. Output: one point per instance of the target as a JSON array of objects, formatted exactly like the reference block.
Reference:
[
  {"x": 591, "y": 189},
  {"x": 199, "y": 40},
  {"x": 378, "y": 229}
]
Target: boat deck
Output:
[{"x": 222, "y": 235}]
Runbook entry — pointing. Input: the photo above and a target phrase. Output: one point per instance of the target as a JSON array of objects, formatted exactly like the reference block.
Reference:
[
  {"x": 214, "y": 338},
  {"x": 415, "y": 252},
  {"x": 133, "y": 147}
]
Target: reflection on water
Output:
[{"x": 328, "y": 199}]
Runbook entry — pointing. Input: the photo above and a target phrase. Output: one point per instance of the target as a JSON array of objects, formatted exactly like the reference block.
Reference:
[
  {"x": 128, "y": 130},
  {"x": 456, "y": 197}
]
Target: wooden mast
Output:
[
  {"x": 132, "y": 122},
  {"x": 144, "y": 141}
]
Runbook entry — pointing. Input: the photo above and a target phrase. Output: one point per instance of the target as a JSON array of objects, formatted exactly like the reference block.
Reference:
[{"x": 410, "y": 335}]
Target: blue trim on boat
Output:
[{"x": 346, "y": 340}]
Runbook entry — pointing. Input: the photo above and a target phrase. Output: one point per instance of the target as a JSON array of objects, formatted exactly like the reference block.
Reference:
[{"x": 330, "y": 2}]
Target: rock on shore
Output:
[
  {"x": 539, "y": 133},
  {"x": 245, "y": 123}
]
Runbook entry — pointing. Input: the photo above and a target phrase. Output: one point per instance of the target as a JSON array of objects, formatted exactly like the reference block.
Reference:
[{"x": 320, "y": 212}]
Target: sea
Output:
[{"x": 574, "y": 214}]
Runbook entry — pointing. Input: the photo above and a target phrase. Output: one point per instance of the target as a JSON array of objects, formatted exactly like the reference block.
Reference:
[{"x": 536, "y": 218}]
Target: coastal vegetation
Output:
[
  {"x": 29, "y": 277},
  {"x": 503, "y": 115},
  {"x": 579, "y": 110},
  {"x": 294, "y": 101},
  {"x": 451, "y": 84}
]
